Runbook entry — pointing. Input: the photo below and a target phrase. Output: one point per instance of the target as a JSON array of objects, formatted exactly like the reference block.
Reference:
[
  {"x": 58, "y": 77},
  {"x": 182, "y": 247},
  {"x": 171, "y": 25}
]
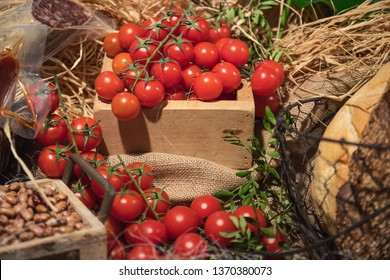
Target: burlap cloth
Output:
[{"x": 185, "y": 178}]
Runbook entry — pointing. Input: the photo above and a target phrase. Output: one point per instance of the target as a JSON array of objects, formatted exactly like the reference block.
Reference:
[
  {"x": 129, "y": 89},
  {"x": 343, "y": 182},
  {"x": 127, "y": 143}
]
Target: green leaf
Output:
[
  {"x": 230, "y": 14},
  {"x": 241, "y": 14},
  {"x": 244, "y": 188},
  {"x": 268, "y": 232},
  {"x": 235, "y": 221},
  {"x": 274, "y": 172},
  {"x": 242, "y": 223},
  {"x": 231, "y": 234},
  {"x": 267, "y": 125},
  {"x": 273, "y": 154},
  {"x": 243, "y": 173},
  {"x": 269, "y": 115},
  {"x": 224, "y": 193}
]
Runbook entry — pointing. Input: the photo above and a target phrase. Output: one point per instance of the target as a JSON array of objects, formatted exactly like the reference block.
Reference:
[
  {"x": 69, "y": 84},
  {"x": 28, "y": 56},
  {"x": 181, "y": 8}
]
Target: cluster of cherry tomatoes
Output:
[{"x": 176, "y": 56}]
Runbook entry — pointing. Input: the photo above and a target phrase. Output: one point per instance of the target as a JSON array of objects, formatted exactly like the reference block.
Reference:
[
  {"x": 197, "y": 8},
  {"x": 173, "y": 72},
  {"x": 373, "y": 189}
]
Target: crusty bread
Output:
[{"x": 331, "y": 165}]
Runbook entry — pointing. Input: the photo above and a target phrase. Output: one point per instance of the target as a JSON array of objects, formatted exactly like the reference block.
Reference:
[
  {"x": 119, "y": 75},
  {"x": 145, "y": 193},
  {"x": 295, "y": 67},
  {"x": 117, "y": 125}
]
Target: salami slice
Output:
[{"x": 60, "y": 13}]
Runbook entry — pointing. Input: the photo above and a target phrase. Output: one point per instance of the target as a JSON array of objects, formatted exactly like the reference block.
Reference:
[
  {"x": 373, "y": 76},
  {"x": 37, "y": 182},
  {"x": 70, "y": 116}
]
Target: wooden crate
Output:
[
  {"x": 188, "y": 127},
  {"x": 85, "y": 244}
]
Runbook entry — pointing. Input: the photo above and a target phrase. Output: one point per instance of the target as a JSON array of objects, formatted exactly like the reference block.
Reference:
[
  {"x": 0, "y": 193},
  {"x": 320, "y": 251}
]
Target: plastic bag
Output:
[{"x": 30, "y": 33}]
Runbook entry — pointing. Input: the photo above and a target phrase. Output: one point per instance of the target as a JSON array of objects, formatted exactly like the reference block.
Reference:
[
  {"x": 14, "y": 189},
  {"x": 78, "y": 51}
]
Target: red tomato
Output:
[
  {"x": 222, "y": 30},
  {"x": 195, "y": 29},
  {"x": 111, "y": 44},
  {"x": 174, "y": 17},
  {"x": 158, "y": 200},
  {"x": 130, "y": 76},
  {"x": 177, "y": 50},
  {"x": 257, "y": 219},
  {"x": 176, "y": 93},
  {"x": 127, "y": 34},
  {"x": 143, "y": 252},
  {"x": 168, "y": 73},
  {"x": 278, "y": 68},
  {"x": 156, "y": 28},
  {"x": 180, "y": 219},
  {"x": 236, "y": 52},
  {"x": 108, "y": 84},
  {"x": 121, "y": 62},
  {"x": 53, "y": 130},
  {"x": 150, "y": 93},
  {"x": 113, "y": 228},
  {"x": 272, "y": 101},
  {"x": 115, "y": 250},
  {"x": 125, "y": 106},
  {"x": 204, "y": 206},
  {"x": 206, "y": 55},
  {"x": 85, "y": 195},
  {"x": 230, "y": 76},
  {"x": 216, "y": 223},
  {"x": 127, "y": 207},
  {"x": 264, "y": 81},
  {"x": 87, "y": 133},
  {"x": 143, "y": 48},
  {"x": 188, "y": 76},
  {"x": 190, "y": 246},
  {"x": 208, "y": 86},
  {"x": 150, "y": 232},
  {"x": 274, "y": 244},
  {"x": 55, "y": 101},
  {"x": 53, "y": 159},
  {"x": 94, "y": 158},
  {"x": 142, "y": 174},
  {"x": 220, "y": 43},
  {"x": 130, "y": 233},
  {"x": 115, "y": 180}
]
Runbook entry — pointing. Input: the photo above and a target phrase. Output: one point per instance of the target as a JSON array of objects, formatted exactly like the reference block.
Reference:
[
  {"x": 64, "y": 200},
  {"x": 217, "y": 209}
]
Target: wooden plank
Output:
[
  {"x": 89, "y": 243},
  {"x": 188, "y": 127}
]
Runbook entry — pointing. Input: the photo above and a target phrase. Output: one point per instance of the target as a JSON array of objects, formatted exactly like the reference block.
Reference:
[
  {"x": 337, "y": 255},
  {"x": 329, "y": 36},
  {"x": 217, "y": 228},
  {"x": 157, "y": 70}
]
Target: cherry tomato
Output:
[
  {"x": 130, "y": 76},
  {"x": 177, "y": 50},
  {"x": 206, "y": 55},
  {"x": 208, "y": 86},
  {"x": 264, "y": 81},
  {"x": 236, "y": 52},
  {"x": 168, "y": 73},
  {"x": 188, "y": 76},
  {"x": 87, "y": 133},
  {"x": 53, "y": 159},
  {"x": 121, "y": 62},
  {"x": 143, "y": 48},
  {"x": 272, "y": 101},
  {"x": 53, "y": 130},
  {"x": 176, "y": 93},
  {"x": 180, "y": 219},
  {"x": 108, "y": 84},
  {"x": 195, "y": 29},
  {"x": 220, "y": 43},
  {"x": 142, "y": 174},
  {"x": 94, "y": 158},
  {"x": 115, "y": 250},
  {"x": 150, "y": 93},
  {"x": 127, "y": 34},
  {"x": 111, "y": 44},
  {"x": 222, "y": 30},
  {"x": 85, "y": 195},
  {"x": 115, "y": 180},
  {"x": 55, "y": 101},
  {"x": 190, "y": 246},
  {"x": 257, "y": 217},
  {"x": 127, "y": 207},
  {"x": 204, "y": 206},
  {"x": 156, "y": 28},
  {"x": 278, "y": 68},
  {"x": 174, "y": 17},
  {"x": 274, "y": 244},
  {"x": 125, "y": 106},
  {"x": 158, "y": 200},
  {"x": 216, "y": 223},
  {"x": 113, "y": 228},
  {"x": 150, "y": 232},
  {"x": 230, "y": 76},
  {"x": 143, "y": 252},
  {"x": 130, "y": 234}
]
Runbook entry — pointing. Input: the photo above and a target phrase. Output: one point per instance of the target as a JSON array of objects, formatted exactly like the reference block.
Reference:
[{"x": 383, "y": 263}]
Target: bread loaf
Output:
[{"x": 331, "y": 167}]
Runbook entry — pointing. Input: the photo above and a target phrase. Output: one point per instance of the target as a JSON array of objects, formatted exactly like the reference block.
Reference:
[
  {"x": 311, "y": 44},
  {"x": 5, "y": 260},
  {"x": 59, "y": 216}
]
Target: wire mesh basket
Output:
[{"x": 362, "y": 224}]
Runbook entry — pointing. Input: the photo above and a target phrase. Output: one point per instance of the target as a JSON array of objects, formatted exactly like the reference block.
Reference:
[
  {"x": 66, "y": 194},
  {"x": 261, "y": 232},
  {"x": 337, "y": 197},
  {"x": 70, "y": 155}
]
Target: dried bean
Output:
[
  {"x": 12, "y": 193},
  {"x": 38, "y": 230},
  {"x": 39, "y": 218},
  {"x": 25, "y": 236},
  {"x": 30, "y": 202},
  {"x": 40, "y": 208},
  {"x": 14, "y": 186},
  {"x": 73, "y": 218},
  {"x": 66, "y": 229},
  {"x": 19, "y": 222},
  {"x": 13, "y": 229},
  {"x": 9, "y": 212},
  {"x": 26, "y": 213},
  {"x": 5, "y": 205},
  {"x": 61, "y": 197},
  {"x": 79, "y": 225},
  {"x": 61, "y": 206},
  {"x": 11, "y": 199},
  {"x": 6, "y": 239},
  {"x": 48, "y": 231},
  {"x": 22, "y": 197},
  {"x": 37, "y": 199},
  {"x": 3, "y": 188},
  {"x": 3, "y": 220}
]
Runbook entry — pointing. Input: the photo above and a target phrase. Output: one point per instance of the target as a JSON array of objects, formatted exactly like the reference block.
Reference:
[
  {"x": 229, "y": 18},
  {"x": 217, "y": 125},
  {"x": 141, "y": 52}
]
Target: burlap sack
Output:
[{"x": 185, "y": 178}]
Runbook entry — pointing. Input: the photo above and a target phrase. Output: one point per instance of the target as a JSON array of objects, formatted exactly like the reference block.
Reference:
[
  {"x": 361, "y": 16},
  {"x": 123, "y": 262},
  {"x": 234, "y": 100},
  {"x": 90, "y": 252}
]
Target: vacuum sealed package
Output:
[{"x": 30, "y": 33}]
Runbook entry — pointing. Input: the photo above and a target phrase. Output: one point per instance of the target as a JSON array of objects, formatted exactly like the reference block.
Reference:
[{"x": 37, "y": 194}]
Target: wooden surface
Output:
[
  {"x": 85, "y": 244},
  {"x": 188, "y": 127}
]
